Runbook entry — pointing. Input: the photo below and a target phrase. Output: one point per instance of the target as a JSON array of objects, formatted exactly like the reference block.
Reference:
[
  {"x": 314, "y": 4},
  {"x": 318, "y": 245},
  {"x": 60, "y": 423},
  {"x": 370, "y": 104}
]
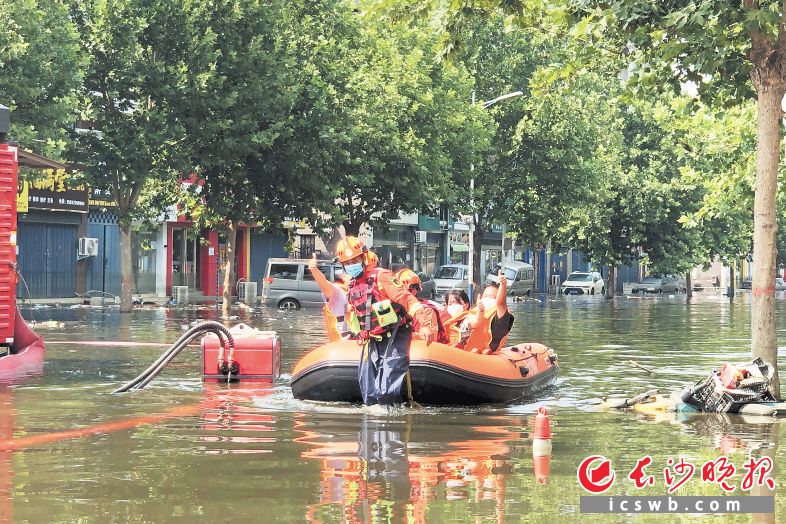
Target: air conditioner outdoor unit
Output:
[
  {"x": 247, "y": 292},
  {"x": 420, "y": 237},
  {"x": 180, "y": 294},
  {"x": 88, "y": 247}
]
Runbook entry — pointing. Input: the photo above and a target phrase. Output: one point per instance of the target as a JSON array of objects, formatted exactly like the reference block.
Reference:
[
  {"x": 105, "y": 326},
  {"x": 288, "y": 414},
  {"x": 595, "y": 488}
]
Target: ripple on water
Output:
[{"x": 234, "y": 450}]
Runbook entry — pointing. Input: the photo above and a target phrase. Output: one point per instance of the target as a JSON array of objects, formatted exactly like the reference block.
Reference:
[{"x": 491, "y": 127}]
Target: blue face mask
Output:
[{"x": 354, "y": 270}]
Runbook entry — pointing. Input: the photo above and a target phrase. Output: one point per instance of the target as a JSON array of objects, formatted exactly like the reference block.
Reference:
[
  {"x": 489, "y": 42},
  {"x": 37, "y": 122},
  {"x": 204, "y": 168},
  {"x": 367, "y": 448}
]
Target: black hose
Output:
[
  {"x": 149, "y": 374},
  {"x": 183, "y": 338},
  {"x": 172, "y": 354},
  {"x": 224, "y": 337}
]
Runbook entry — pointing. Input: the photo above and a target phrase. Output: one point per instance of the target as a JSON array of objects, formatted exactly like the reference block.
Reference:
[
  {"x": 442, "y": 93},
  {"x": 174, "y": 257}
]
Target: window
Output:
[
  {"x": 326, "y": 270},
  {"x": 510, "y": 273},
  {"x": 285, "y": 271},
  {"x": 452, "y": 273}
]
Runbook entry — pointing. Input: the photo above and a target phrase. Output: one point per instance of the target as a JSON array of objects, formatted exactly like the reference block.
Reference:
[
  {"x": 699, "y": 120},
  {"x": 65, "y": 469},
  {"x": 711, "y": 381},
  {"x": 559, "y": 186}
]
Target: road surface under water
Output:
[{"x": 183, "y": 451}]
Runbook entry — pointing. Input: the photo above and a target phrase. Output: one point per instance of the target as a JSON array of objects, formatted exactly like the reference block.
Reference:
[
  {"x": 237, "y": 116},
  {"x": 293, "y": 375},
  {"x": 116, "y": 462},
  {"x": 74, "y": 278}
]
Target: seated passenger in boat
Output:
[
  {"x": 410, "y": 280},
  {"x": 494, "y": 300},
  {"x": 484, "y": 328},
  {"x": 459, "y": 320}
]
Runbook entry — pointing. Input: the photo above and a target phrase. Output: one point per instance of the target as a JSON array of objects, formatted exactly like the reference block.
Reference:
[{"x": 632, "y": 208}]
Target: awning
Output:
[{"x": 35, "y": 161}]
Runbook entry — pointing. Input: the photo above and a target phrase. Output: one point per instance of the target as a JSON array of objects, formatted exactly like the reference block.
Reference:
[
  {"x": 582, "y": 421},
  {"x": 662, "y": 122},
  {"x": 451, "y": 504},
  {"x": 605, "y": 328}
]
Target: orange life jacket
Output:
[
  {"x": 331, "y": 322},
  {"x": 452, "y": 327},
  {"x": 442, "y": 335},
  {"x": 479, "y": 337}
]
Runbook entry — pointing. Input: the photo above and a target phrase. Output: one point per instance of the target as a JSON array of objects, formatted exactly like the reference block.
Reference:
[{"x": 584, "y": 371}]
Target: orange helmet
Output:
[
  {"x": 409, "y": 279},
  {"x": 372, "y": 260},
  {"x": 349, "y": 248}
]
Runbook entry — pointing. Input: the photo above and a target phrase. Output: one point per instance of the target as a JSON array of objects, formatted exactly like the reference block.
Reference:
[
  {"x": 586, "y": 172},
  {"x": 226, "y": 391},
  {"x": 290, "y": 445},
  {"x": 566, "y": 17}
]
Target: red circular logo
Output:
[{"x": 593, "y": 479}]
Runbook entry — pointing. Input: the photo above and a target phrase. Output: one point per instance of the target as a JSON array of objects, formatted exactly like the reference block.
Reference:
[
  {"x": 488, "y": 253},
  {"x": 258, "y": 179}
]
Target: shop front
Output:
[
  {"x": 194, "y": 257},
  {"x": 395, "y": 246},
  {"x": 51, "y": 217}
]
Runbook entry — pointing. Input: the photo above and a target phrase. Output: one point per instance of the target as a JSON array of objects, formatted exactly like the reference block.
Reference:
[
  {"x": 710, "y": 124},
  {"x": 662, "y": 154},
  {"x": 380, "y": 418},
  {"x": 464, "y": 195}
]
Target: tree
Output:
[
  {"x": 714, "y": 148},
  {"x": 264, "y": 97},
  {"x": 731, "y": 51},
  {"x": 239, "y": 107},
  {"x": 406, "y": 127},
  {"x": 500, "y": 61},
  {"x": 136, "y": 71},
  {"x": 40, "y": 71},
  {"x": 566, "y": 161}
]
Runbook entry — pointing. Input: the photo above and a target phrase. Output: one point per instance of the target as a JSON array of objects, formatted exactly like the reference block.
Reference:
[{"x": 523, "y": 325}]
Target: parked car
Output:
[
  {"x": 520, "y": 275},
  {"x": 780, "y": 284},
  {"x": 584, "y": 283},
  {"x": 662, "y": 284},
  {"x": 288, "y": 283},
  {"x": 428, "y": 286},
  {"x": 700, "y": 284},
  {"x": 451, "y": 276}
]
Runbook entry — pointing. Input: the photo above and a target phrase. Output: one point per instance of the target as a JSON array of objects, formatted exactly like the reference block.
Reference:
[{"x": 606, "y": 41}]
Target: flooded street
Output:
[{"x": 183, "y": 451}]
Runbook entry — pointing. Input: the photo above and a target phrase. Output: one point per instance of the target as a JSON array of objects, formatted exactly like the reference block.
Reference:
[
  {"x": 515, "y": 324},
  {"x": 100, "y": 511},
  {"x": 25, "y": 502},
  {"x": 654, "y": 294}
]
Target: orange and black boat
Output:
[
  {"x": 440, "y": 374},
  {"x": 26, "y": 355}
]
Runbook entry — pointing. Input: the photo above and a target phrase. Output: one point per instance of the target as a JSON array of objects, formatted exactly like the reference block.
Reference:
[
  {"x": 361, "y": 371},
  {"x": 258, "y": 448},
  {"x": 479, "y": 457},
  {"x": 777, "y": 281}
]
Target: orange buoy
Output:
[{"x": 541, "y": 446}]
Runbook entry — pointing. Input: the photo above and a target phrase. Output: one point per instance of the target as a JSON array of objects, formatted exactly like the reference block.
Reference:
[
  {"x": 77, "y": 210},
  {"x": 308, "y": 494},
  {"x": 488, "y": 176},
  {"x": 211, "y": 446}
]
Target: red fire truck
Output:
[
  {"x": 8, "y": 184},
  {"x": 21, "y": 349}
]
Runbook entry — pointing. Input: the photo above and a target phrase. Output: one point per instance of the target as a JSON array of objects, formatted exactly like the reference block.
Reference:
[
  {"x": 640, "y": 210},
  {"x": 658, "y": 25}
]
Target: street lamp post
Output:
[{"x": 471, "y": 284}]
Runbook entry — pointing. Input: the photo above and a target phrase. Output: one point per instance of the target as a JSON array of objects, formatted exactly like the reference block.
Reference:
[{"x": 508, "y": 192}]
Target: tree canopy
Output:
[{"x": 40, "y": 72}]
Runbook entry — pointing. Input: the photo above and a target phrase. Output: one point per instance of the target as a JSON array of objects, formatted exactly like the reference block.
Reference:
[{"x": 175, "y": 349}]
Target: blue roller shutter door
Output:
[{"x": 47, "y": 260}]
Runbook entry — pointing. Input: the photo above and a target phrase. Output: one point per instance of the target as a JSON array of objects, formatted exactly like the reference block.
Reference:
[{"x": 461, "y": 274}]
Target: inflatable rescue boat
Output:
[
  {"x": 26, "y": 356},
  {"x": 441, "y": 374}
]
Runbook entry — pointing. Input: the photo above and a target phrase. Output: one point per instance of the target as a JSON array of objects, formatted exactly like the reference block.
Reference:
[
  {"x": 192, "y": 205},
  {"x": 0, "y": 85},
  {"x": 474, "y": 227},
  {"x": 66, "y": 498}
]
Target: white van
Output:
[
  {"x": 520, "y": 275},
  {"x": 288, "y": 283}
]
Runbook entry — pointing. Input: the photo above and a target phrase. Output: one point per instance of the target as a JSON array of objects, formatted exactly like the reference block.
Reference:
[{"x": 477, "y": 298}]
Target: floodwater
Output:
[{"x": 182, "y": 451}]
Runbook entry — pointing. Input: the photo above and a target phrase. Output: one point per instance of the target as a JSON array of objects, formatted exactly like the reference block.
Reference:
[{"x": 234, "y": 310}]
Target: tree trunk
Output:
[
  {"x": 229, "y": 269},
  {"x": 477, "y": 247},
  {"x": 126, "y": 272},
  {"x": 688, "y": 286},
  {"x": 548, "y": 269},
  {"x": 764, "y": 341},
  {"x": 611, "y": 285},
  {"x": 352, "y": 229},
  {"x": 732, "y": 287}
]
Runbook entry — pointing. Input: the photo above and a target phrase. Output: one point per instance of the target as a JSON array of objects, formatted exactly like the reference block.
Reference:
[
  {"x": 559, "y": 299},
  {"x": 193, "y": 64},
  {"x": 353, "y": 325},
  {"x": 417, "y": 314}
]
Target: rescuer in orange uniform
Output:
[
  {"x": 411, "y": 281},
  {"x": 384, "y": 312}
]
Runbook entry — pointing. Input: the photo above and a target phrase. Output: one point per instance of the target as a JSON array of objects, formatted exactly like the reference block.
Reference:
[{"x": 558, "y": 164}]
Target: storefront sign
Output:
[
  {"x": 54, "y": 191},
  {"x": 101, "y": 198},
  {"x": 22, "y": 192}
]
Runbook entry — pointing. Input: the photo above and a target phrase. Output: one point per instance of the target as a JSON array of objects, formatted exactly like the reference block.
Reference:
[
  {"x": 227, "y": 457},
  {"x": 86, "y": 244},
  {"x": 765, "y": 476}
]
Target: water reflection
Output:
[
  {"x": 393, "y": 469},
  {"x": 175, "y": 451},
  {"x": 7, "y": 415},
  {"x": 231, "y": 426}
]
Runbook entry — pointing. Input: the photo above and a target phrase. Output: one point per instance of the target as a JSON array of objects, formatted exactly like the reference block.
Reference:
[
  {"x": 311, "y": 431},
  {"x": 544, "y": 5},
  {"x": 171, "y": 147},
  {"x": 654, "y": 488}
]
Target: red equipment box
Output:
[
  {"x": 8, "y": 188},
  {"x": 257, "y": 354}
]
